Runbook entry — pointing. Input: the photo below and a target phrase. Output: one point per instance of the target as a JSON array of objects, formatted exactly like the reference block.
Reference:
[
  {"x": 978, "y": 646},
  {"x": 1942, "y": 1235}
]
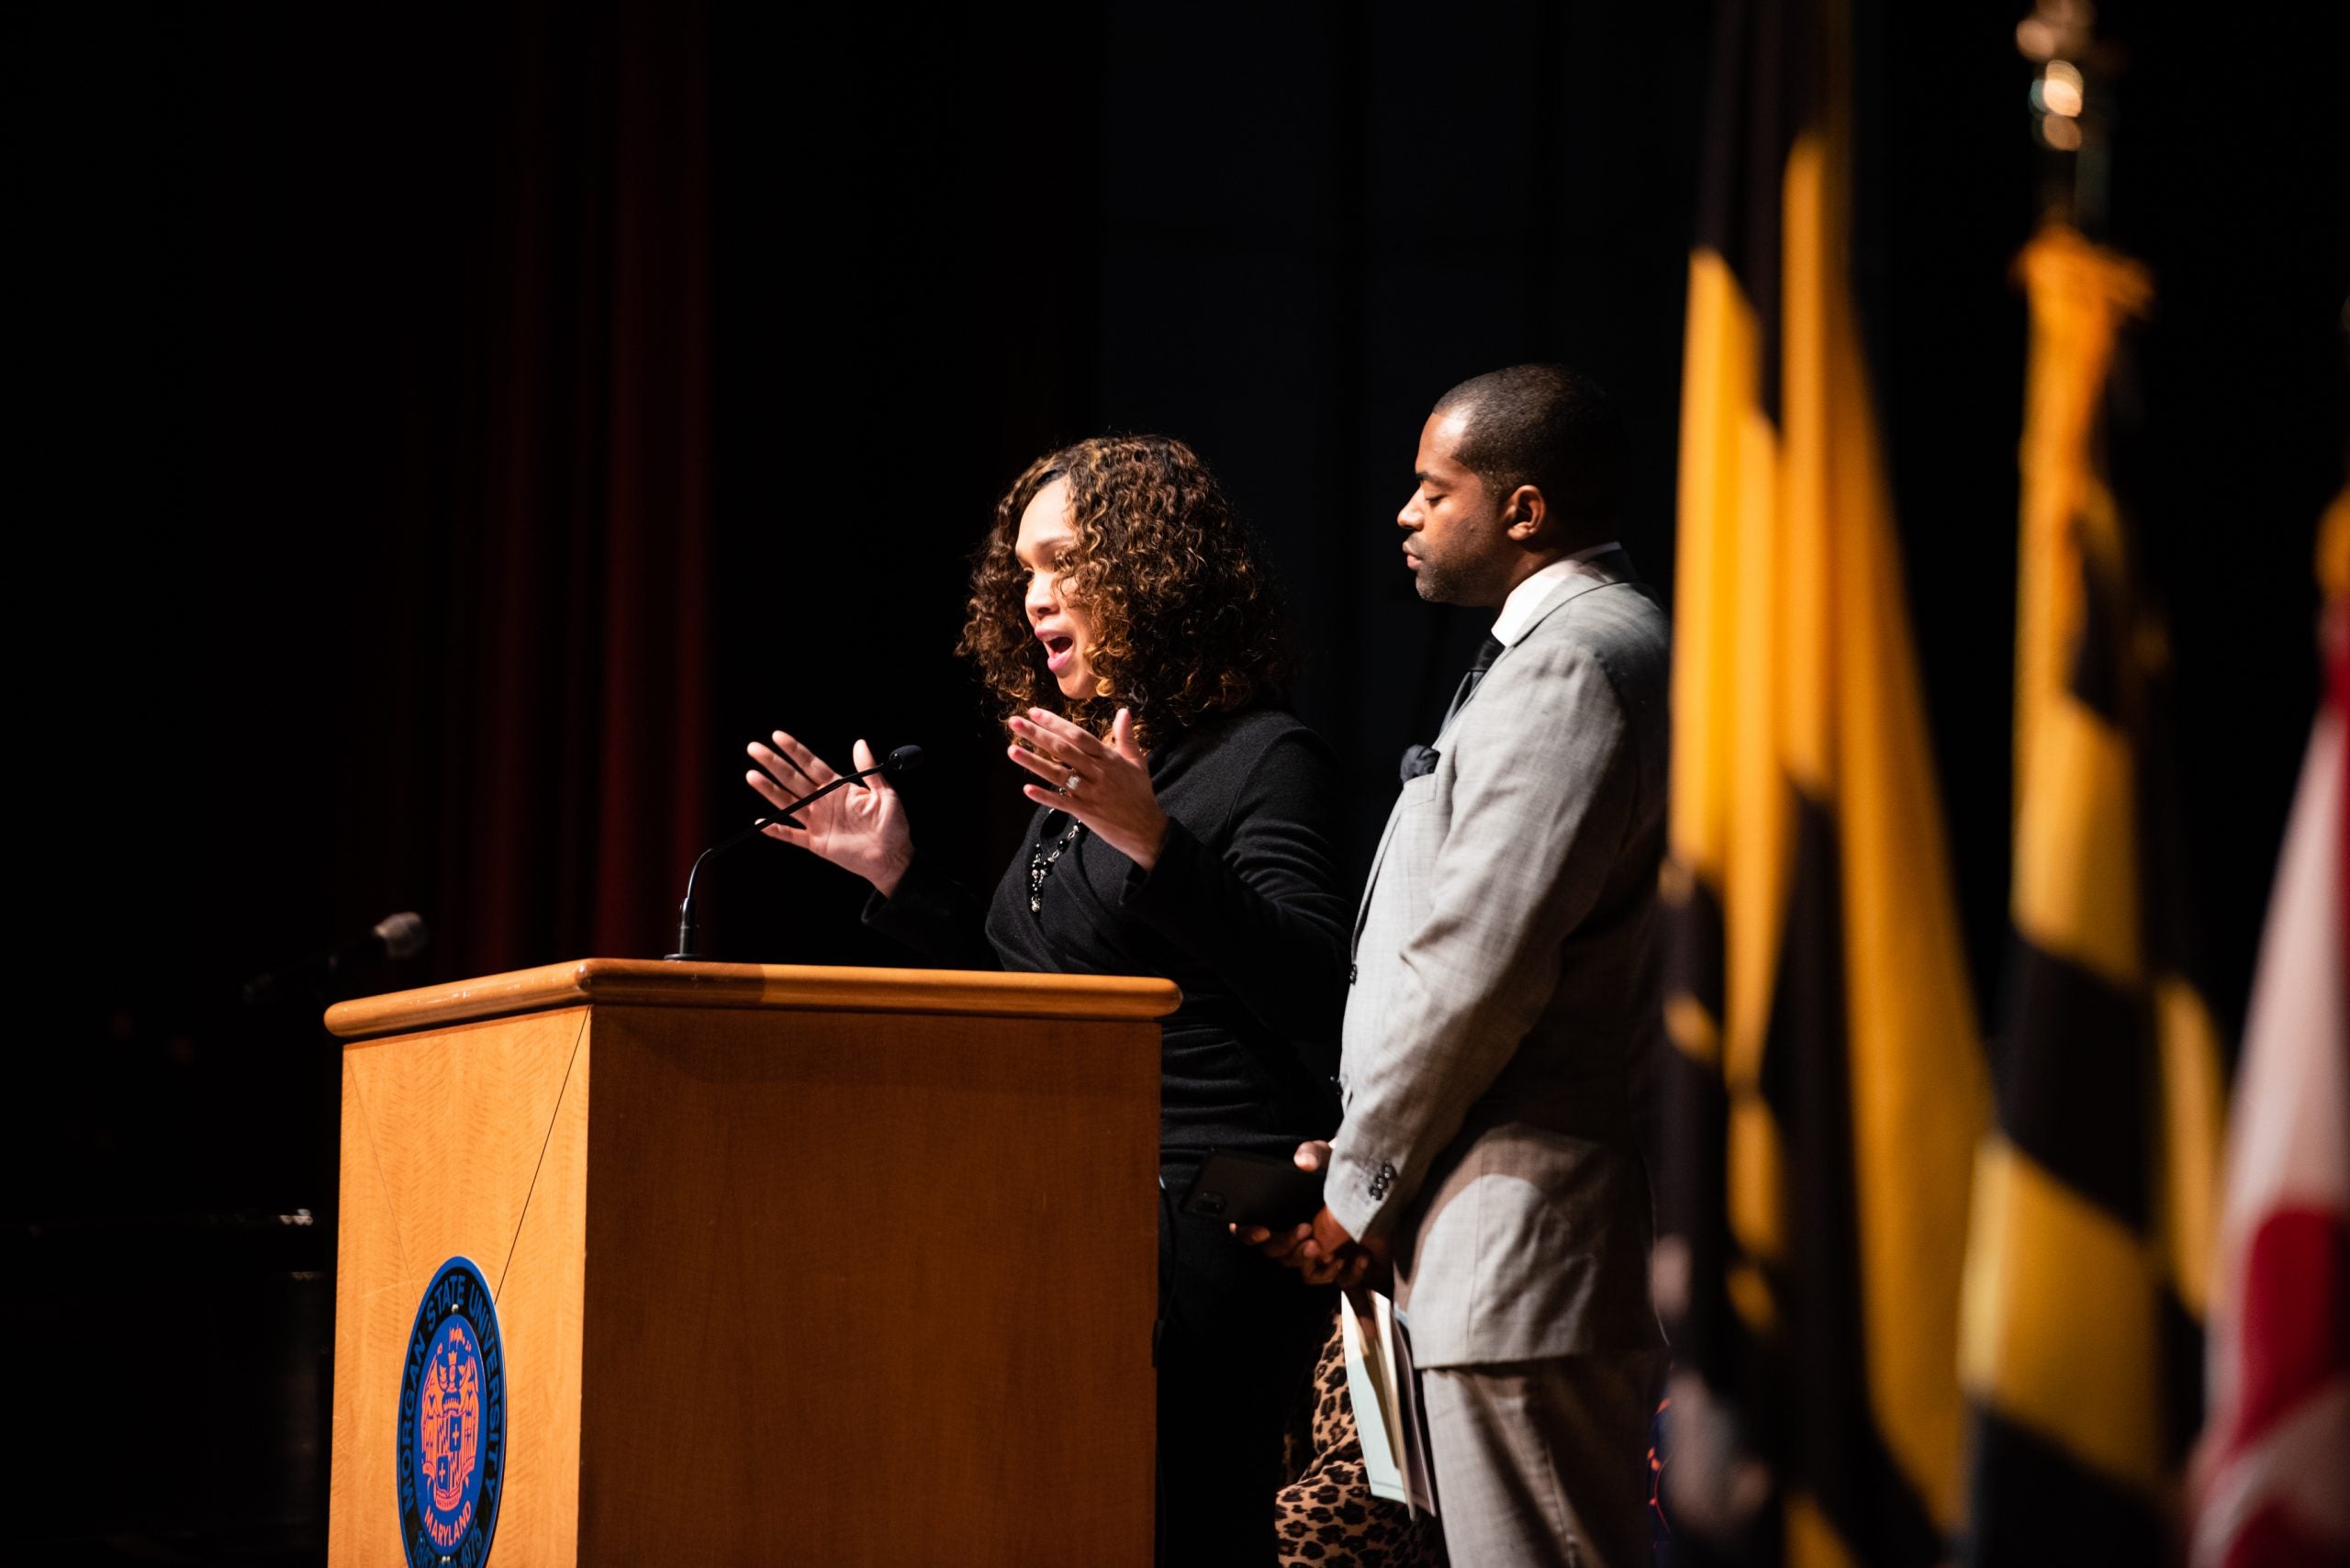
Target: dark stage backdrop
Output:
[{"x": 459, "y": 431}]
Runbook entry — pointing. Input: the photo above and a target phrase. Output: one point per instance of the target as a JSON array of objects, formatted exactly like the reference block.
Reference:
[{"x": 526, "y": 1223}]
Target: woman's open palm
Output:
[{"x": 860, "y": 828}]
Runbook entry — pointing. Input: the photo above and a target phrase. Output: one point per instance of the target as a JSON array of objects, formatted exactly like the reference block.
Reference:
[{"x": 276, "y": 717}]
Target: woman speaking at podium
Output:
[{"x": 1186, "y": 827}]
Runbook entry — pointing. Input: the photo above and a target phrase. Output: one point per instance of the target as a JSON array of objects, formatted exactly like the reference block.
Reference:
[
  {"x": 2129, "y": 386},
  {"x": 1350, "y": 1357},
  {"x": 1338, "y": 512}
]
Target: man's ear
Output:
[{"x": 1524, "y": 514}]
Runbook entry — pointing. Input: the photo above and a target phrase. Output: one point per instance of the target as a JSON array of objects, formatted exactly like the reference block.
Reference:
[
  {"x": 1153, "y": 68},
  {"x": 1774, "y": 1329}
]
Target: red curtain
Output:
[{"x": 532, "y": 750}]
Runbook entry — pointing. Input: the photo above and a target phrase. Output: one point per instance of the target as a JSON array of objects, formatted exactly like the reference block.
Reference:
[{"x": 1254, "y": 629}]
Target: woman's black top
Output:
[{"x": 1245, "y": 911}]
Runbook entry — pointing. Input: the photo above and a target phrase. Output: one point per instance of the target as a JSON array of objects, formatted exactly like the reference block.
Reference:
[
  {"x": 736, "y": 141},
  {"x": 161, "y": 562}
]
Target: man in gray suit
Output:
[{"x": 1506, "y": 988}]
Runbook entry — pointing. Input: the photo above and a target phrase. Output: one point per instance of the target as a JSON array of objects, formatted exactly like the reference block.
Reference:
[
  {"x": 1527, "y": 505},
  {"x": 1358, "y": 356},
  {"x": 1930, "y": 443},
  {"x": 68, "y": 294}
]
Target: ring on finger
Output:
[{"x": 1069, "y": 786}]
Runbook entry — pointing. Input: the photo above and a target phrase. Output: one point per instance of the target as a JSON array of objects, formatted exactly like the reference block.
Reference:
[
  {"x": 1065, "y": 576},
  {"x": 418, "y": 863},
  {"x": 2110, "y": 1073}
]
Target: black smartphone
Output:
[{"x": 1253, "y": 1189}]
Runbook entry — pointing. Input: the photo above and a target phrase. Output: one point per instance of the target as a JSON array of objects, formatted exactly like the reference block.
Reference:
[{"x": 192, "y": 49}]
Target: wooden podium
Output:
[{"x": 793, "y": 1265}]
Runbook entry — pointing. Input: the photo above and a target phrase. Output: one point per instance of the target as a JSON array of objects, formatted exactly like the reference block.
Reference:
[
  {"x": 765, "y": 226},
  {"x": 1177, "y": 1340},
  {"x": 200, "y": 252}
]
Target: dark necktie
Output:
[{"x": 1419, "y": 759}]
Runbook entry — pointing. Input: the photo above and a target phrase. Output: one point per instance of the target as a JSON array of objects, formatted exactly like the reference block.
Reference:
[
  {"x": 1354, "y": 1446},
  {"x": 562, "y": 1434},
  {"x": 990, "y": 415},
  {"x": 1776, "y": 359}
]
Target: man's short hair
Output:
[{"x": 1546, "y": 426}]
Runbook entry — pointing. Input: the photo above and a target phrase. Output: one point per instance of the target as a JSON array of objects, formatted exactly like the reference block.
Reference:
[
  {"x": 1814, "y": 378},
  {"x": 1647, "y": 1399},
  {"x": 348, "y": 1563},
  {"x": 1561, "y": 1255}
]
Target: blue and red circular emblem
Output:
[{"x": 452, "y": 1422}]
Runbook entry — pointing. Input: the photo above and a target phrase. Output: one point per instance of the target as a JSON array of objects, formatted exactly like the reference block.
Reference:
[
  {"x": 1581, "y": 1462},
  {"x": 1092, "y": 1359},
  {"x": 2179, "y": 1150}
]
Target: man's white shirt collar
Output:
[{"x": 1527, "y": 599}]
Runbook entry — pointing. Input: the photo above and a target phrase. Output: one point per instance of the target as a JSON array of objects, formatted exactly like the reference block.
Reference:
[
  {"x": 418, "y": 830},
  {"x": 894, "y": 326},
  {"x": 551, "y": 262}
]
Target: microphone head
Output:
[
  {"x": 905, "y": 759},
  {"x": 403, "y": 934}
]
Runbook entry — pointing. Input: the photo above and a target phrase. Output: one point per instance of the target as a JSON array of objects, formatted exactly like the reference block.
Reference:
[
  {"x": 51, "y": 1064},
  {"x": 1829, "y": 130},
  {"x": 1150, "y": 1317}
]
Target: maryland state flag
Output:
[
  {"x": 1829, "y": 1090},
  {"x": 2095, "y": 1195},
  {"x": 2273, "y": 1454}
]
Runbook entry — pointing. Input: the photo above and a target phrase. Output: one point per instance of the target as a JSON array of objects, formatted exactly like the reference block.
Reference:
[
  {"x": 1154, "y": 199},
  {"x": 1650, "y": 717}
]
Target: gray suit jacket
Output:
[{"x": 1506, "y": 987}]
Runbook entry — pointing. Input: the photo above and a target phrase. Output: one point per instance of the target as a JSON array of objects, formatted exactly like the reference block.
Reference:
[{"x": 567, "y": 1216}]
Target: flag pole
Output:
[{"x": 2071, "y": 100}]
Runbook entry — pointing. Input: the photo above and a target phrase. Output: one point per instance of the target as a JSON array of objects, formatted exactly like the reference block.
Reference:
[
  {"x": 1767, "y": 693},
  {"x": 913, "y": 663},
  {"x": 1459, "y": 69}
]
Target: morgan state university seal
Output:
[{"x": 452, "y": 1444}]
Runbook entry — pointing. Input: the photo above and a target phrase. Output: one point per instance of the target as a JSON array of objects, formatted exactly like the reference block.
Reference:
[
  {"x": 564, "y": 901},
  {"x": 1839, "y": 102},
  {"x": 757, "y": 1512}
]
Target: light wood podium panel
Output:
[{"x": 793, "y": 1265}]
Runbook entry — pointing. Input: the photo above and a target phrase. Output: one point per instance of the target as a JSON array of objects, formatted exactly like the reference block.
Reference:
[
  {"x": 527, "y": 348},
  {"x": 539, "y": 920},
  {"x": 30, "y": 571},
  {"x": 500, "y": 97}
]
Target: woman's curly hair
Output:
[{"x": 1185, "y": 618}]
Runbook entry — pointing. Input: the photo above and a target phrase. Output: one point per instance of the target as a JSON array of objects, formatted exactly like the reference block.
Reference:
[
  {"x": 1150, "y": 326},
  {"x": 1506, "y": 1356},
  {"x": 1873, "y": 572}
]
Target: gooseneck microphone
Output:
[{"x": 898, "y": 763}]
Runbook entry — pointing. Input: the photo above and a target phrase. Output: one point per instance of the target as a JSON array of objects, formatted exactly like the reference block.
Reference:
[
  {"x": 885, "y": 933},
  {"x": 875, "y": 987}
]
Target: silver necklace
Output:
[{"x": 1040, "y": 862}]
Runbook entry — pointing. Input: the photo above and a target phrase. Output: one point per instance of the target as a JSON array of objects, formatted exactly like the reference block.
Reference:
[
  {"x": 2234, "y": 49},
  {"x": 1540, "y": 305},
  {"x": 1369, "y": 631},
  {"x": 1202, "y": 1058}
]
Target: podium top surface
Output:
[{"x": 654, "y": 982}]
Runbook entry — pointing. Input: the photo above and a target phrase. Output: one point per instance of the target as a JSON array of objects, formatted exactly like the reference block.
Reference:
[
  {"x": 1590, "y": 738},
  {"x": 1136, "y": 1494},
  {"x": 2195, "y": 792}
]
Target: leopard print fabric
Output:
[{"x": 1327, "y": 1517}]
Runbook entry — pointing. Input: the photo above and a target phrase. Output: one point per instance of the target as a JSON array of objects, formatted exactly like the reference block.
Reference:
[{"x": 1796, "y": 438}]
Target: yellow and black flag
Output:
[
  {"x": 2088, "y": 1266},
  {"x": 1829, "y": 1089}
]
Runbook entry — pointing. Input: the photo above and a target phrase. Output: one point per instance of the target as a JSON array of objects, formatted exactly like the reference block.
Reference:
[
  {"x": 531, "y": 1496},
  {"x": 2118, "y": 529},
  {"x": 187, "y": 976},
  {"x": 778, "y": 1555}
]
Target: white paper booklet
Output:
[{"x": 1386, "y": 1396}]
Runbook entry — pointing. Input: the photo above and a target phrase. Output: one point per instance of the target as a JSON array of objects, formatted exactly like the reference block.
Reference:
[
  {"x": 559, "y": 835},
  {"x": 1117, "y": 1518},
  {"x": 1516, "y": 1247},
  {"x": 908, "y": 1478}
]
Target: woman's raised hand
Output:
[
  {"x": 861, "y": 828},
  {"x": 1106, "y": 786}
]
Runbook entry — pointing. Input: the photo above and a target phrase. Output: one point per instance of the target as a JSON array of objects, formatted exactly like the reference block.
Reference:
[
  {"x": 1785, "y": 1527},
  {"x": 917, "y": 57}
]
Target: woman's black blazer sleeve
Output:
[
  {"x": 935, "y": 916},
  {"x": 1266, "y": 908}
]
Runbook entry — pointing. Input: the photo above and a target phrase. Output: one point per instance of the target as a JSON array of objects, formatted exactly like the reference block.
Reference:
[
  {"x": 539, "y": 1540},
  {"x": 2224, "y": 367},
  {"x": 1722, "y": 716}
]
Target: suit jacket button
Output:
[{"x": 1350, "y": 974}]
